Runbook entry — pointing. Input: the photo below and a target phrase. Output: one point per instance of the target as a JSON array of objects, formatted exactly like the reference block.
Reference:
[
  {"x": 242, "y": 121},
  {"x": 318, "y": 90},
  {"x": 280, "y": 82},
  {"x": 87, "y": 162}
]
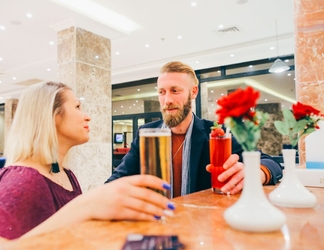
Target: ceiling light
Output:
[
  {"x": 14, "y": 78},
  {"x": 147, "y": 45},
  {"x": 179, "y": 37},
  {"x": 1, "y": 59},
  {"x": 289, "y": 74},
  {"x": 0, "y": 81},
  {"x": 48, "y": 69},
  {"x": 197, "y": 61},
  {"x": 250, "y": 66},
  {"x": 117, "y": 53},
  {"x": 272, "y": 48},
  {"x": 51, "y": 43},
  {"x": 232, "y": 55},
  {"x": 100, "y": 14},
  {"x": 278, "y": 66},
  {"x": 29, "y": 15},
  {"x": 221, "y": 26},
  {"x": 287, "y": 60},
  {"x": 2, "y": 27},
  {"x": 96, "y": 57},
  {"x": 193, "y": 4}
]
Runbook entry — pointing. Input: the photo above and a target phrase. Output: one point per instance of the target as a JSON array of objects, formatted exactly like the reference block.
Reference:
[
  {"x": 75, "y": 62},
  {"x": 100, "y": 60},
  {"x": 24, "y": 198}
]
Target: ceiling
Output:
[{"x": 250, "y": 28}]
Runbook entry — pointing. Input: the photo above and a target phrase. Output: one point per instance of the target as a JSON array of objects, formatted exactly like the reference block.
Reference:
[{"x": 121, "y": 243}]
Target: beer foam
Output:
[{"x": 155, "y": 134}]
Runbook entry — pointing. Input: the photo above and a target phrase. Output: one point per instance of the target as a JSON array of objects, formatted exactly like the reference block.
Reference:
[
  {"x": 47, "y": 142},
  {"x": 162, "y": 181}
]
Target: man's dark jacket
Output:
[{"x": 200, "y": 179}]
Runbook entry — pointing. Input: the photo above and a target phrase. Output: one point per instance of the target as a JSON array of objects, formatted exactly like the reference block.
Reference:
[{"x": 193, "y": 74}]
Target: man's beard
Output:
[{"x": 174, "y": 119}]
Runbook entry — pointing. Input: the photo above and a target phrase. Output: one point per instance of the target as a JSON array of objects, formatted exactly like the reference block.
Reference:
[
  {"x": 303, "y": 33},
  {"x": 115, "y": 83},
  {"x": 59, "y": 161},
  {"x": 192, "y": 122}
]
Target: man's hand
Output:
[{"x": 234, "y": 173}]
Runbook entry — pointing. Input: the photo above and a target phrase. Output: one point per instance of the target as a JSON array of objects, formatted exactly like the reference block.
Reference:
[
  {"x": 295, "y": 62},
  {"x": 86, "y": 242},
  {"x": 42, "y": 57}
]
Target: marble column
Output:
[
  {"x": 309, "y": 57},
  {"x": 10, "y": 110},
  {"x": 204, "y": 100},
  {"x": 84, "y": 63}
]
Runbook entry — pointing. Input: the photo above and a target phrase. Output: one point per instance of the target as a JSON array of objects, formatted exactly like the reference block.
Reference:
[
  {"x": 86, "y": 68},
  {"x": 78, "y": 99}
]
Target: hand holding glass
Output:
[
  {"x": 220, "y": 148},
  {"x": 155, "y": 154}
]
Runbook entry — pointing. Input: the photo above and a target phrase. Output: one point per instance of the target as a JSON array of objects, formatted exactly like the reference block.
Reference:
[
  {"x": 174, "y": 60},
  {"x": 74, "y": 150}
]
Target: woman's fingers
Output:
[{"x": 147, "y": 181}]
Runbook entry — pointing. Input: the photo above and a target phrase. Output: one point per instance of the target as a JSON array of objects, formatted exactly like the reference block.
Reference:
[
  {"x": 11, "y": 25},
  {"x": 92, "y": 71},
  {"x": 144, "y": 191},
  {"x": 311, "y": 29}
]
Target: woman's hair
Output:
[
  {"x": 179, "y": 67},
  {"x": 33, "y": 132}
]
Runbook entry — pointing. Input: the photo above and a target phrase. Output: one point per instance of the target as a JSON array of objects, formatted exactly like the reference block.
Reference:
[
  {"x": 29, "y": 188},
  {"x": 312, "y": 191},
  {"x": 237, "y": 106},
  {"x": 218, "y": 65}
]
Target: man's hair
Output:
[
  {"x": 33, "y": 131},
  {"x": 179, "y": 67}
]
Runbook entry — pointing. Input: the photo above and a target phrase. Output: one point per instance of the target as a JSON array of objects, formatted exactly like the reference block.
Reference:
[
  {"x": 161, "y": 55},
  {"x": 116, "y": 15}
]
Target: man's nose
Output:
[{"x": 168, "y": 97}]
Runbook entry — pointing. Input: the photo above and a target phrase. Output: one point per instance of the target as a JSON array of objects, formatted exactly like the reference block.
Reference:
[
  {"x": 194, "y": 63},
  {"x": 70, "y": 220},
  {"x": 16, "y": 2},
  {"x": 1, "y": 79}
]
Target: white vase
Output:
[
  {"x": 253, "y": 212},
  {"x": 291, "y": 192}
]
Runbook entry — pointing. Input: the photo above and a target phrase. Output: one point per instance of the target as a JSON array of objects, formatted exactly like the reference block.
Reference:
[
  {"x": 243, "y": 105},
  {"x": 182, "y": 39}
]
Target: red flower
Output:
[
  {"x": 238, "y": 104},
  {"x": 300, "y": 111}
]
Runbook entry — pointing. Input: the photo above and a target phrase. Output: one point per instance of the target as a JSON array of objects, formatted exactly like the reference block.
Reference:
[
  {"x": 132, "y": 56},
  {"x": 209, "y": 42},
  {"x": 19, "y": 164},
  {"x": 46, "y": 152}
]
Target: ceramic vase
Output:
[
  {"x": 253, "y": 212},
  {"x": 291, "y": 192}
]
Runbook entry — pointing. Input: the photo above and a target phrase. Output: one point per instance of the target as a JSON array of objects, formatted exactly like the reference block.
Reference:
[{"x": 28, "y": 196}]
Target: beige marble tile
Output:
[
  {"x": 92, "y": 49},
  {"x": 91, "y": 163},
  {"x": 66, "y": 46}
]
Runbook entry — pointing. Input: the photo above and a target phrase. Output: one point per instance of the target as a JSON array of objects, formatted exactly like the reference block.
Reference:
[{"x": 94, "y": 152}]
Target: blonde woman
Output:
[{"x": 38, "y": 194}]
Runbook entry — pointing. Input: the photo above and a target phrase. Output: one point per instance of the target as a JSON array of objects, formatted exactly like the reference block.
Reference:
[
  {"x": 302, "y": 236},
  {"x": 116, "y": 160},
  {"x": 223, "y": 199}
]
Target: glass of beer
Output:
[
  {"x": 155, "y": 154},
  {"x": 220, "y": 148}
]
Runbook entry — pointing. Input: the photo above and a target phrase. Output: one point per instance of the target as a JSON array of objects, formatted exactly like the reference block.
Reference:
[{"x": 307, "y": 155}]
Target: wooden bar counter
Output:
[{"x": 198, "y": 222}]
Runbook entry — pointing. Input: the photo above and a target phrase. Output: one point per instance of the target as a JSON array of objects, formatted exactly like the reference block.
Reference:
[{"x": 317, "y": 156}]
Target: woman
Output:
[{"x": 37, "y": 194}]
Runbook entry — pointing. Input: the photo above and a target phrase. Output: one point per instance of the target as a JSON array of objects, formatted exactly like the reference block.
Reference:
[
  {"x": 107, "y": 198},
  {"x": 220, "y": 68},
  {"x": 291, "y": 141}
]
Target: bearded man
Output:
[{"x": 177, "y": 86}]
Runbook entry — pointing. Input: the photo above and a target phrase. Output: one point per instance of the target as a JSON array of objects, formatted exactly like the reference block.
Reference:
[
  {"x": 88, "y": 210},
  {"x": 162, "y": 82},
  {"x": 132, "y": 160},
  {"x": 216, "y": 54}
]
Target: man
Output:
[{"x": 177, "y": 86}]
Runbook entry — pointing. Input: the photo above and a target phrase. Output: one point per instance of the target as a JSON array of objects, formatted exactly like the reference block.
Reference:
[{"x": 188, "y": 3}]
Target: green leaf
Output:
[
  {"x": 282, "y": 127},
  {"x": 300, "y": 126},
  {"x": 289, "y": 117}
]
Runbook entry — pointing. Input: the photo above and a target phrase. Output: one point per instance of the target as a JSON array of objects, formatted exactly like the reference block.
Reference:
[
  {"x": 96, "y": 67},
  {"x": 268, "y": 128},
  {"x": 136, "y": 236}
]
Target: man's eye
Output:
[{"x": 78, "y": 106}]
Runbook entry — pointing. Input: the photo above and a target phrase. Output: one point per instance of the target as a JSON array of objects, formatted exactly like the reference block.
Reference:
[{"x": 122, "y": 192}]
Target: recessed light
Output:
[
  {"x": 14, "y": 78},
  {"x": 266, "y": 100},
  {"x": 271, "y": 48},
  {"x": 48, "y": 69},
  {"x": 147, "y": 45},
  {"x": 197, "y": 62},
  {"x": 121, "y": 106},
  {"x": 250, "y": 66},
  {"x": 29, "y": 15},
  {"x": 117, "y": 53},
  {"x": 136, "y": 100},
  {"x": 138, "y": 89},
  {"x": 288, "y": 74},
  {"x": 232, "y": 55},
  {"x": 179, "y": 37},
  {"x": 1, "y": 59},
  {"x": 2, "y": 27},
  {"x": 287, "y": 60},
  {"x": 1, "y": 97},
  {"x": 51, "y": 43},
  {"x": 0, "y": 81},
  {"x": 96, "y": 57},
  {"x": 222, "y": 93},
  {"x": 212, "y": 91},
  {"x": 193, "y": 4},
  {"x": 221, "y": 26},
  {"x": 218, "y": 71}
]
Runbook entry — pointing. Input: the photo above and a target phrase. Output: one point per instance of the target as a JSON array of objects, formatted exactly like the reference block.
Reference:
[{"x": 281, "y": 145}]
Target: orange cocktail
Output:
[{"x": 220, "y": 148}]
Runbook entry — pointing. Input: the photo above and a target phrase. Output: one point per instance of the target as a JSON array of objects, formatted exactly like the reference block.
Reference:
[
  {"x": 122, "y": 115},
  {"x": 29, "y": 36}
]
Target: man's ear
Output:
[{"x": 194, "y": 92}]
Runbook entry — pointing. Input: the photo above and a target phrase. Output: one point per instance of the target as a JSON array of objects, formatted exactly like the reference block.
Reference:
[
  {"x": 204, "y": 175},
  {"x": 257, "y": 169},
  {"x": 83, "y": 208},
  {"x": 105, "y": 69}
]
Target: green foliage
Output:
[
  {"x": 247, "y": 132},
  {"x": 294, "y": 129}
]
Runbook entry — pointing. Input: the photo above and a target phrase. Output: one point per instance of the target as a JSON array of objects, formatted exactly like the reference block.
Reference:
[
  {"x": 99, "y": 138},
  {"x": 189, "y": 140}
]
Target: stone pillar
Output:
[
  {"x": 309, "y": 57},
  {"x": 204, "y": 100},
  {"x": 84, "y": 64},
  {"x": 10, "y": 110},
  {"x": 271, "y": 140}
]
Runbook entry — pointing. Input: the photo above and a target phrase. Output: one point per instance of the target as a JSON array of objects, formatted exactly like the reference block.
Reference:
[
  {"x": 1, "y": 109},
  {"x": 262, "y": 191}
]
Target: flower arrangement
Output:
[
  {"x": 237, "y": 112},
  {"x": 299, "y": 121}
]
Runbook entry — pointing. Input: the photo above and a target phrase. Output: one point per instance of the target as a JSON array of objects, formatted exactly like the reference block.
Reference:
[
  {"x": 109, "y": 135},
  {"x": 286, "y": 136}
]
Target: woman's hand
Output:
[{"x": 129, "y": 198}]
